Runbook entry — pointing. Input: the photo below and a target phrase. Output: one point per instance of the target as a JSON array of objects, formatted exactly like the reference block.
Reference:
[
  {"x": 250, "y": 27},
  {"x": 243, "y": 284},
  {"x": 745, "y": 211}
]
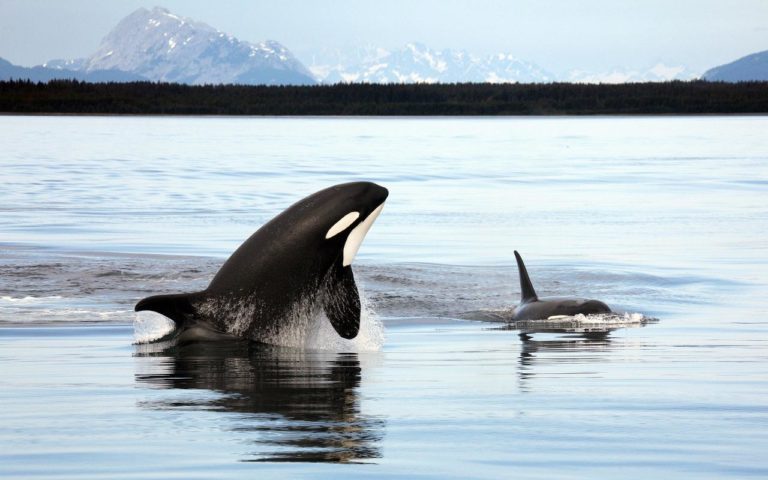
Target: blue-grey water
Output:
[{"x": 660, "y": 216}]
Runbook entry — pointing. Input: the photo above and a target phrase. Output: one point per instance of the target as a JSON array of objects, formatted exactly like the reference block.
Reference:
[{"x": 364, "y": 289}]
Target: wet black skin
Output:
[
  {"x": 285, "y": 263},
  {"x": 532, "y": 307}
]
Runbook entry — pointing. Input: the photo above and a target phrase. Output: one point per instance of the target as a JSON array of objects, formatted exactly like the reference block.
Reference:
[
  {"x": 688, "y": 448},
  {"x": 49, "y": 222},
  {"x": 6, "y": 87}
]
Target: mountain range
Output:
[
  {"x": 157, "y": 45},
  {"x": 416, "y": 62}
]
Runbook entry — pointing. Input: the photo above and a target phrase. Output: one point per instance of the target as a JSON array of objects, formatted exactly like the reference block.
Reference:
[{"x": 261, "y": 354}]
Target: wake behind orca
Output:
[
  {"x": 532, "y": 307},
  {"x": 295, "y": 265}
]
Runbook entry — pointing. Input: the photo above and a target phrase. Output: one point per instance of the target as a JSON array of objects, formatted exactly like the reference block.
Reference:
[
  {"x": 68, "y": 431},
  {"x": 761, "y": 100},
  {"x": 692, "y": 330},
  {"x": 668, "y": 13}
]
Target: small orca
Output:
[
  {"x": 294, "y": 265},
  {"x": 532, "y": 307}
]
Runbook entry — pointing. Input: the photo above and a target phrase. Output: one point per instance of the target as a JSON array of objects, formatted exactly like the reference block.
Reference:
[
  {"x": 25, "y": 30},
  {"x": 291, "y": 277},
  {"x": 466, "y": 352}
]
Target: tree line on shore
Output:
[{"x": 676, "y": 97}]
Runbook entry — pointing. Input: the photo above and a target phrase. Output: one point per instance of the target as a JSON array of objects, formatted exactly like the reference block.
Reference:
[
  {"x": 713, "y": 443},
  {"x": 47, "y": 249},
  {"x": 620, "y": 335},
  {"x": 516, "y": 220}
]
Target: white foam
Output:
[
  {"x": 28, "y": 299},
  {"x": 149, "y": 326},
  {"x": 309, "y": 328},
  {"x": 592, "y": 322},
  {"x": 609, "y": 319}
]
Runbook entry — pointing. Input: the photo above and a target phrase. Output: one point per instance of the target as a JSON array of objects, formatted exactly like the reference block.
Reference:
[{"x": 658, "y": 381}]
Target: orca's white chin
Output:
[
  {"x": 149, "y": 326},
  {"x": 357, "y": 235}
]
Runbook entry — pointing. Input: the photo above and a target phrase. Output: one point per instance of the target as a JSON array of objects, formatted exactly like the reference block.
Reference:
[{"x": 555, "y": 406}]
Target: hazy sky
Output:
[{"x": 558, "y": 35}]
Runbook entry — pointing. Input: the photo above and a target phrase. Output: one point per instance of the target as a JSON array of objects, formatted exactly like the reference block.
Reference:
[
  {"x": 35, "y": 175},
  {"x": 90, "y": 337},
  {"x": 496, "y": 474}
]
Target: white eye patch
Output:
[{"x": 342, "y": 224}]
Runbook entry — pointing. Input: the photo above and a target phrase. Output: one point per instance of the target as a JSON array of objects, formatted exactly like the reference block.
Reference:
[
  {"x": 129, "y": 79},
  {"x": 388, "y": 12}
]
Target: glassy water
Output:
[{"x": 665, "y": 216}]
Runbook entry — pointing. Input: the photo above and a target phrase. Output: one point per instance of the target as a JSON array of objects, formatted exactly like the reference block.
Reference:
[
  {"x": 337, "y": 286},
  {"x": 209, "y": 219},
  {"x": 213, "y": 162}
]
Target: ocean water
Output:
[{"x": 664, "y": 218}]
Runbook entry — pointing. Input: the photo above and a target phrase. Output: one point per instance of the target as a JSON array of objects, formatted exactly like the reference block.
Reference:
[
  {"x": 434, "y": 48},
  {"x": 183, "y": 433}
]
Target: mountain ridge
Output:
[
  {"x": 753, "y": 67},
  {"x": 418, "y": 63},
  {"x": 41, "y": 73}
]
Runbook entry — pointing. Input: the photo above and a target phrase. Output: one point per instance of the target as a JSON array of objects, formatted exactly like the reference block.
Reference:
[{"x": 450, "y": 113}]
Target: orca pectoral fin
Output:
[
  {"x": 342, "y": 302},
  {"x": 177, "y": 307}
]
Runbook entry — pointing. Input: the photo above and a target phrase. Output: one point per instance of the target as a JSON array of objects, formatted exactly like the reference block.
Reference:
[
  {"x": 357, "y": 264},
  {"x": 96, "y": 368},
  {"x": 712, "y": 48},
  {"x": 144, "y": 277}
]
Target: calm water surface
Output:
[{"x": 664, "y": 216}]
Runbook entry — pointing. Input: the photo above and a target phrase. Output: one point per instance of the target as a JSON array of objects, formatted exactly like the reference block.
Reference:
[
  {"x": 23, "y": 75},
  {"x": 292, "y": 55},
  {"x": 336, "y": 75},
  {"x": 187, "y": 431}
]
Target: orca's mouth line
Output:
[{"x": 357, "y": 235}]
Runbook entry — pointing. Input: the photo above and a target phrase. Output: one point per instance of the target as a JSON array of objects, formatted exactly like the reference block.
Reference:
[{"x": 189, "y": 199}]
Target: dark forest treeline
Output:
[{"x": 695, "y": 97}]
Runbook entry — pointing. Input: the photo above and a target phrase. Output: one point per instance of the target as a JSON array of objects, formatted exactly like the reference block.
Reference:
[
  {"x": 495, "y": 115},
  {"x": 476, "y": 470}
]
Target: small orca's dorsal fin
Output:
[
  {"x": 341, "y": 301},
  {"x": 526, "y": 287},
  {"x": 177, "y": 307}
]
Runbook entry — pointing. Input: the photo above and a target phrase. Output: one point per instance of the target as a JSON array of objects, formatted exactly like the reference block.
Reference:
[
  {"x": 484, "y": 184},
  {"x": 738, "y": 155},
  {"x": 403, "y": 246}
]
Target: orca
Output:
[
  {"x": 532, "y": 307},
  {"x": 295, "y": 265}
]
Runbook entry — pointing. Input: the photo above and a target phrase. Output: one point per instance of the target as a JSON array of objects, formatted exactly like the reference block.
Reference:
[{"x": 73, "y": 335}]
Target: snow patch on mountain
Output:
[{"x": 417, "y": 63}]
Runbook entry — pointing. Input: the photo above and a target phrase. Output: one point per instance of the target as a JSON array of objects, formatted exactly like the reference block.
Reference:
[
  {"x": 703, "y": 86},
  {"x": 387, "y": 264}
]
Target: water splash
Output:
[
  {"x": 370, "y": 338},
  {"x": 305, "y": 327},
  {"x": 27, "y": 300},
  {"x": 580, "y": 323}
]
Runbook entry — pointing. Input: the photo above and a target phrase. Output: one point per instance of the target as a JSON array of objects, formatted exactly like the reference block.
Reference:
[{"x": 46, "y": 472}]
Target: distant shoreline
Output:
[{"x": 67, "y": 97}]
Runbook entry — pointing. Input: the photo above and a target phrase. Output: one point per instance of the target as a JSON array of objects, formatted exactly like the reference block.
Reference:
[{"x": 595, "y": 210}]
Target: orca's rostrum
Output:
[{"x": 298, "y": 263}]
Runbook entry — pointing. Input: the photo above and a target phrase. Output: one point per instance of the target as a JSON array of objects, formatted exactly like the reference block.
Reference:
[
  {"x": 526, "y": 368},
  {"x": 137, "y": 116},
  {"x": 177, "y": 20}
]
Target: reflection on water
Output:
[
  {"x": 565, "y": 341},
  {"x": 584, "y": 346},
  {"x": 293, "y": 406}
]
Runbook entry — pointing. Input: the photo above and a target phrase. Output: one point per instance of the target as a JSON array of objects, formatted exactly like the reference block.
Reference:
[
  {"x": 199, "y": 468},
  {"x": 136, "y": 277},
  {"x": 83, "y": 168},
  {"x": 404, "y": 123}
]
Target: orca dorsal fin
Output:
[
  {"x": 526, "y": 287},
  {"x": 177, "y": 307}
]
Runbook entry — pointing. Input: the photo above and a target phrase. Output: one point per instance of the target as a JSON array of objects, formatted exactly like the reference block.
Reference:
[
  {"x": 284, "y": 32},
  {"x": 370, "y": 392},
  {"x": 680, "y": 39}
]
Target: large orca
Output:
[
  {"x": 292, "y": 267},
  {"x": 532, "y": 307}
]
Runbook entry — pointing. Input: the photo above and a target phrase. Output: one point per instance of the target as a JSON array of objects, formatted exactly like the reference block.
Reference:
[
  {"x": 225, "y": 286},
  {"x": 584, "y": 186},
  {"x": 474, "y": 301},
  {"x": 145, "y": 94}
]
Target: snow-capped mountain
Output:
[
  {"x": 417, "y": 63},
  {"x": 750, "y": 68},
  {"x": 658, "y": 73},
  {"x": 161, "y": 46}
]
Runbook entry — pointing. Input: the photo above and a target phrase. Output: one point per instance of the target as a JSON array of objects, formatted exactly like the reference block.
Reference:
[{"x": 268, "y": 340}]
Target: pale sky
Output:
[{"x": 558, "y": 35}]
